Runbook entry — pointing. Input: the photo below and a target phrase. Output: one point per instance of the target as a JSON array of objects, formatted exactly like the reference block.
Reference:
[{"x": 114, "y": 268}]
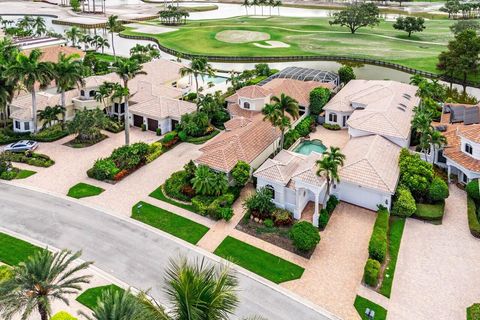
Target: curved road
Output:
[{"x": 132, "y": 252}]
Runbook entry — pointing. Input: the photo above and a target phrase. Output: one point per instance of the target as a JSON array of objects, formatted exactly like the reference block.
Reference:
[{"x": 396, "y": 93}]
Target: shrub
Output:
[
  {"x": 473, "y": 222},
  {"x": 195, "y": 124},
  {"x": 332, "y": 203},
  {"x": 282, "y": 217},
  {"x": 182, "y": 135},
  {"x": 50, "y": 134},
  {"x": 290, "y": 138},
  {"x": 318, "y": 99},
  {"x": 155, "y": 151},
  {"x": 304, "y": 235},
  {"x": 473, "y": 190},
  {"x": 415, "y": 174},
  {"x": 174, "y": 185},
  {"x": 129, "y": 157},
  {"x": 169, "y": 136},
  {"x": 346, "y": 74},
  {"x": 241, "y": 173},
  {"x": 9, "y": 175},
  {"x": 158, "y": 131},
  {"x": 103, "y": 169},
  {"x": 31, "y": 158},
  {"x": 268, "y": 223},
  {"x": 62, "y": 315},
  {"x": 404, "y": 204},
  {"x": 190, "y": 168},
  {"x": 331, "y": 126},
  {"x": 371, "y": 272},
  {"x": 144, "y": 127},
  {"x": 201, "y": 203},
  {"x": 304, "y": 127},
  {"x": 438, "y": 190},
  {"x": 473, "y": 312},
  {"x": 323, "y": 219},
  {"x": 260, "y": 204},
  {"x": 377, "y": 246},
  {"x": 5, "y": 273}
]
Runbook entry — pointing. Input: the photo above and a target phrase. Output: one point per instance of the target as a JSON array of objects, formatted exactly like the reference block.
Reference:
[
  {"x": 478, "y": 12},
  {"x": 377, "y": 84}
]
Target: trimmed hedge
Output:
[
  {"x": 371, "y": 272},
  {"x": 329, "y": 126},
  {"x": 473, "y": 190},
  {"x": 473, "y": 222},
  {"x": 304, "y": 235},
  {"x": 473, "y": 312},
  {"x": 377, "y": 247},
  {"x": 404, "y": 204},
  {"x": 49, "y": 134},
  {"x": 438, "y": 190},
  {"x": 30, "y": 158},
  {"x": 302, "y": 129},
  {"x": 326, "y": 212}
]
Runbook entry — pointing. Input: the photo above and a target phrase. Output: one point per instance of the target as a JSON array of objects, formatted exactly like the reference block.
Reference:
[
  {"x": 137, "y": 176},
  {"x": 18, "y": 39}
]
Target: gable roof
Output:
[
  {"x": 50, "y": 54},
  {"x": 297, "y": 89},
  {"x": 253, "y": 92},
  {"x": 22, "y": 105},
  {"x": 163, "y": 107},
  {"x": 372, "y": 162}
]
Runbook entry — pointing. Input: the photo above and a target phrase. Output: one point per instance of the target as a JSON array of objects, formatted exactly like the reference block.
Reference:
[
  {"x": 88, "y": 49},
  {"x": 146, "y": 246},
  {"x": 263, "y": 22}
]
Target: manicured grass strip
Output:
[
  {"x": 90, "y": 296},
  {"x": 62, "y": 315},
  {"x": 23, "y": 174},
  {"x": 361, "y": 304},
  {"x": 83, "y": 190},
  {"x": 430, "y": 212},
  {"x": 159, "y": 195},
  {"x": 395, "y": 237},
  {"x": 258, "y": 261},
  {"x": 13, "y": 250},
  {"x": 169, "y": 222}
]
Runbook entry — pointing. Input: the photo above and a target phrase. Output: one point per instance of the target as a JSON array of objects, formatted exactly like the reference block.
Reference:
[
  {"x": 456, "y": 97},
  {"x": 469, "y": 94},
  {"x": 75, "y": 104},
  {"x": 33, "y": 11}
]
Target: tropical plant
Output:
[
  {"x": 113, "y": 25},
  {"x": 276, "y": 113},
  {"x": 40, "y": 280},
  {"x": 104, "y": 93},
  {"x": 28, "y": 71},
  {"x": 207, "y": 182},
  {"x": 100, "y": 43},
  {"x": 198, "y": 67},
  {"x": 87, "y": 124},
  {"x": 328, "y": 166},
  {"x": 246, "y": 4},
  {"x": 127, "y": 69},
  {"x": 8, "y": 52},
  {"x": 260, "y": 204},
  {"x": 115, "y": 305},
  {"x": 39, "y": 26},
  {"x": 74, "y": 34},
  {"x": 241, "y": 173},
  {"x": 49, "y": 115}
]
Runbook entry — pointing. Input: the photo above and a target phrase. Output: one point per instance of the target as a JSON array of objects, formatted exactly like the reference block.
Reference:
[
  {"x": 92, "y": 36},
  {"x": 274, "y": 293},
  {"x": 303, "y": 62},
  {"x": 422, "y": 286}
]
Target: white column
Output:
[
  {"x": 316, "y": 214},
  {"x": 297, "y": 214},
  {"x": 449, "y": 172}
]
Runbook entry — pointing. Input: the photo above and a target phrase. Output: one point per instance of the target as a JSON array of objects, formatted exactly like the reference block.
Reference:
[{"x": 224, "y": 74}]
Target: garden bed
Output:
[
  {"x": 263, "y": 263},
  {"x": 30, "y": 158},
  {"x": 15, "y": 173},
  {"x": 169, "y": 222},
  {"x": 53, "y": 133},
  {"x": 77, "y": 143},
  {"x": 159, "y": 194},
  {"x": 278, "y": 236}
]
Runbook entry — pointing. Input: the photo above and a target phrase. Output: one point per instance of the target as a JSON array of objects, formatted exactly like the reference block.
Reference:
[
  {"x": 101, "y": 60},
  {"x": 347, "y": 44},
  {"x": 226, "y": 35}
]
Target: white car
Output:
[{"x": 21, "y": 146}]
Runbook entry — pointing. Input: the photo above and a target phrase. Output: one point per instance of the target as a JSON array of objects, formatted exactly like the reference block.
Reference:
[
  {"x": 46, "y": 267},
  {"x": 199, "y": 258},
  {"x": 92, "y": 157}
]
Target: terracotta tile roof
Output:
[
  {"x": 371, "y": 161},
  {"x": 236, "y": 111},
  {"x": 50, "y": 54},
  {"x": 237, "y": 122},
  {"x": 297, "y": 89},
  {"x": 253, "y": 92},
  {"x": 163, "y": 107},
  {"x": 453, "y": 149},
  {"x": 470, "y": 132},
  {"x": 244, "y": 143}
]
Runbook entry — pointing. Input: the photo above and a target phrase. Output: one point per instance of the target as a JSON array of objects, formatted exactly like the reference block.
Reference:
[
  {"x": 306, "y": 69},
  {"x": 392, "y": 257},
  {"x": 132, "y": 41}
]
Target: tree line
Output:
[{"x": 262, "y": 4}]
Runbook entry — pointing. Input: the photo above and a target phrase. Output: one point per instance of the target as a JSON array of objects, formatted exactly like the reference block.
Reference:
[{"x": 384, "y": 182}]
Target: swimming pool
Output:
[{"x": 308, "y": 146}]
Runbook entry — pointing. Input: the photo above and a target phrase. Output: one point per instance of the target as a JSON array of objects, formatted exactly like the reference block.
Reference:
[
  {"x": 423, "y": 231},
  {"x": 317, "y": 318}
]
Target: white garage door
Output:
[{"x": 360, "y": 196}]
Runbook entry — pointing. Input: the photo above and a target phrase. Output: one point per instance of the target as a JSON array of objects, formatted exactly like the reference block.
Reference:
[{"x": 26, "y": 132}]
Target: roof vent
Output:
[
  {"x": 407, "y": 96},
  {"x": 402, "y": 105},
  {"x": 400, "y": 108}
]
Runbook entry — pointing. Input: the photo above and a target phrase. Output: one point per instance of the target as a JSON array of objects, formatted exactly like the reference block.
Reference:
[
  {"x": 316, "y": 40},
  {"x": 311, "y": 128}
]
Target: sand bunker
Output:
[
  {"x": 241, "y": 36},
  {"x": 144, "y": 28},
  {"x": 273, "y": 44}
]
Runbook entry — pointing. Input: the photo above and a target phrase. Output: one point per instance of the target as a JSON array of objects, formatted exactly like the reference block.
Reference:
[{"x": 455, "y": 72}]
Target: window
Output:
[
  {"x": 272, "y": 190},
  {"x": 92, "y": 93},
  {"x": 115, "y": 107},
  {"x": 17, "y": 124},
  {"x": 82, "y": 93},
  {"x": 464, "y": 178},
  {"x": 468, "y": 148},
  {"x": 246, "y": 105},
  {"x": 345, "y": 118},
  {"x": 440, "y": 157},
  {"x": 332, "y": 117},
  {"x": 122, "y": 108},
  {"x": 26, "y": 126}
]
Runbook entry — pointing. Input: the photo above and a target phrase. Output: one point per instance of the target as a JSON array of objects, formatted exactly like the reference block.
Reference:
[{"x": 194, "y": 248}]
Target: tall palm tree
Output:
[
  {"x": 127, "y": 69},
  {"x": 74, "y": 34},
  {"x": 116, "y": 305},
  {"x": 100, "y": 43},
  {"x": 437, "y": 140},
  {"x": 29, "y": 71},
  {"x": 287, "y": 105},
  {"x": 87, "y": 41},
  {"x": 255, "y": 3},
  {"x": 271, "y": 4},
  {"x": 104, "y": 93},
  {"x": 198, "y": 67},
  {"x": 112, "y": 25},
  {"x": 8, "y": 52},
  {"x": 328, "y": 166},
  {"x": 39, "y": 26},
  {"x": 69, "y": 71},
  {"x": 40, "y": 280},
  {"x": 246, "y": 4},
  {"x": 50, "y": 115},
  {"x": 277, "y": 4},
  {"x": 273, "y": 114}
]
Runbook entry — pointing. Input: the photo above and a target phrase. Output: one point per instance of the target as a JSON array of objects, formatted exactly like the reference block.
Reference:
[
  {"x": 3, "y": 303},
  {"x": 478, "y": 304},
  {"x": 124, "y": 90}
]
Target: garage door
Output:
[
  {"x": 137, "y": 120},
  {"x": 360, "y": 196},
  {"x": 152, "y": 124}
]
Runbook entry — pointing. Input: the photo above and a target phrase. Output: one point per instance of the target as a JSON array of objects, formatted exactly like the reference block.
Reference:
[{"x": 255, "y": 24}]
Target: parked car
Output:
[{"x": 21, "y": 146}]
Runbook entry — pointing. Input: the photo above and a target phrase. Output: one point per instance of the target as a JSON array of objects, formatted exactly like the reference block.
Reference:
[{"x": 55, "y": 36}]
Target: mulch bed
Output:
[
  {"x": 275, "y": 235},
  {"x": 83, "y": 144}
]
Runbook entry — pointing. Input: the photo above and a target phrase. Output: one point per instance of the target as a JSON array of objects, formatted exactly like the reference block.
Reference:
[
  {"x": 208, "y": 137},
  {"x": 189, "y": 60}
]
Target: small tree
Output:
[
  {"x": 87, "y": 124},
  {"x": 241, "y": 173},
  {"x": 304, "y": 235},
  {"x": 318, "y": 99},
  {"x": 75, "y": 4},
  {"x": 404, "y": 205},
  {"x": 260, "y": 204},
  {"x": 356, "y": 16},
  {"x": 438, "y": 190},
  {"x": 463, "y": 25},
  {"x": 410, "y": 24},
  {"x": 346, "y": 74}
]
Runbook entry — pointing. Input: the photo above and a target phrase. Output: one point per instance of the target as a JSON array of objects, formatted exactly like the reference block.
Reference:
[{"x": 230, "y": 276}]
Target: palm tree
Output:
[
  {"x": 255, "y": 3},
  {"x": 116, "y": 305},
  {"x": 274, "y": 115},
  {"x": 112, "y": 25},
  {"x": 26, "y": 23},
  {"x": 204, "y": 180},
  {"x": 198, "y": 67},
  {"x": 328, "y": 166},
  {"x": 69, "y": 71},
  {"x": 8, "y": 52},
  {"x": 104, "y": 93},
  {"x": 40, "y": 280},
  {"x": 286, "y": 104},
  {"x": 100, "y": 43},
  {"x": 277, "y": 4},
  {"x": 127, "y": 69},
  {"x": 39, "y": 25},
  {"x": 87, "y": 41},
  {"x": 437, "y": 140},
  {"x": 246, "y": 4},
  {"x": 29, "y": 71},
  {"x": 262, "y": 3},
  {"x": 74, "y": 35},
  {"x": 50, "y": 115}
]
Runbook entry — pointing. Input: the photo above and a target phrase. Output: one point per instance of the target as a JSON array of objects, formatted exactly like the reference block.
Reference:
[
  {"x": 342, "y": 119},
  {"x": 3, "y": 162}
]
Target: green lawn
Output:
[
  {"x": 169, "y": 222},
  {"x": 103, "y": 56},
  {"x": 430, "y": 212},
  {"x": 83, "y": 190},
  {"x": 159, "y": 195},
  {"x": 258, "y": 261},
  {"x": 23, "y": 174},
  {"x": 90, "y": 296},
  {"x": 361, "y": 304},
  {"x": 13, "y": 250},
  {"x": 395, "y": 233},
  {"x": 312, "y": 36}
]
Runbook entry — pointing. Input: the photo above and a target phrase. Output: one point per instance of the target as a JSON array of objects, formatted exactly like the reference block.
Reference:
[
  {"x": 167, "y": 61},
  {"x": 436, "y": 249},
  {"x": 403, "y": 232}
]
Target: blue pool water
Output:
[{"x": 309, "y": 146}]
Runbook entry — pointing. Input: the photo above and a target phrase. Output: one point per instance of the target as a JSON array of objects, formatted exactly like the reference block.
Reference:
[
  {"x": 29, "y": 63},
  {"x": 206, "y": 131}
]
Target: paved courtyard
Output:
[
  {"x": 331, "y": 138},
  {"x": 438, "y": 269}
]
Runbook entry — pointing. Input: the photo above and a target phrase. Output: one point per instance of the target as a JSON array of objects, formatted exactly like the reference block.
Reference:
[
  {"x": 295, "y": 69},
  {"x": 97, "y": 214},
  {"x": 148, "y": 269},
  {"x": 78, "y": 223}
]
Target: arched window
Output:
[
  {"x": 332, "y": 117},
  {"x": 468, "y": 148},
  {"x": 92, "y": 93},
  {"x": 272, "y": 190},
  {"x": 246, "y": 105}
]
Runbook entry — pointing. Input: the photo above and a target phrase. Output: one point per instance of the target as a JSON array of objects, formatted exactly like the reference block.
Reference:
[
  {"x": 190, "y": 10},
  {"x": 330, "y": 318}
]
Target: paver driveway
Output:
[
  {"x": 438, "y": 268},
  {"x": 335, "y": 269}
]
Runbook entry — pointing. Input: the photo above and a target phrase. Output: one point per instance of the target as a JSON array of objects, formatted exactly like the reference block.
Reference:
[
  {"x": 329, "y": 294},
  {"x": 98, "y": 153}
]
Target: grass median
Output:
[{"x": 13, "y": 250}]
